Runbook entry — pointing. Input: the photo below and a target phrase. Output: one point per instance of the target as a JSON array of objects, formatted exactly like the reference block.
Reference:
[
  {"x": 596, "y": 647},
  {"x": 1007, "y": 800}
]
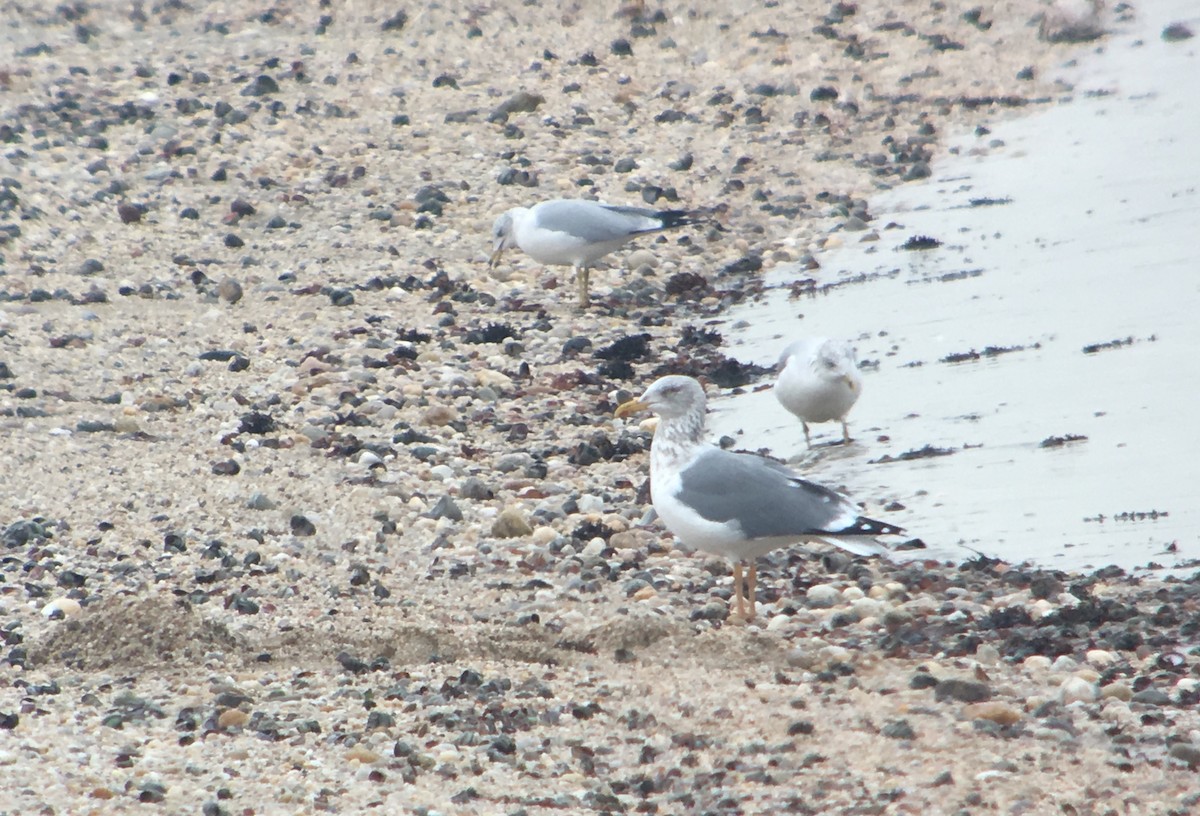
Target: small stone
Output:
[
  {"x": 995, "y": 711},
  {"x": 1177, "y": 32},
  {"x": 965, "y": 691},
  {"x": 301, "y": 526},
  {"x": 642, "y": 257},
  {"x": 511, "y": 523},
  {"x": 1077, "y": 690},
  {"x": 1036, "y": 663},
  {"x": 227, "y": 467},
  {"x": 1152, "y": 697},
  {"x": 439, "y": 415},
  {"x": 363, "y": 754},
  {"x": 475, "y": 489},
  {"x": 232, "y": 718},
  {"x": 520, "y": 102},
  {"x": 263, "y": 85},
  {"x": 229, "y": 290},
  {"x": 130, "y": 213},
  {"x": 1185, "y": 752},
  {"x": 1117, "y": 691},
  {"x": 898, "y": 729},
  {"x": 594, "y": 548},
  {"x": 445, "y": 508},
  {"x": 62, "y": 608},
  {"x": 260, "y": 501},
  {"x": 822, "y": 596}
]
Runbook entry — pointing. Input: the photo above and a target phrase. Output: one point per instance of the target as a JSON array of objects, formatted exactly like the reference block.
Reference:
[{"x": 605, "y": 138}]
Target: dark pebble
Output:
[
  {"x": 189, "y": 213},
  {"x": 93, "y": 426},
  {"x": 445, "y": 508},
  {"x": 474, "y": 488},
  {"x": 1152, "y": 696},
  {"x": 922, "y": 681},
  {"x": 301, "y": 526},
  {"x": 965, "y": 691},
  {"x": 1177, "y": 32},
  {"x": 341, "y": 297},
  {"x": 684, "y": 162},
  {"x": 919, "y": 170},
  {"x": 130, "y": 213},
  {"x": 263, "y": 85},
  {"x": 898, "y": 729},
  {"x": 233, "y": 242},
  {"x": 396, "y": 22},
  {"x": 1182, "y": 751},
  {"x": 229, "y": 467},
  {"x": 750, "y": 263}
]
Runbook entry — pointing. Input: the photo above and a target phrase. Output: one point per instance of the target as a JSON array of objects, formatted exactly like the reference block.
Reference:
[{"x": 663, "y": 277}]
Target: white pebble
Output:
[
  {"x": 594, "y": 548},
  {"x": 1077, "y": 690},
  {"x": 1063, "y": 663},
  {"x": 1100, "y": 658},
  {"x": 62, "y": 608},
  {"x": 822, "y": 596},
  {"x": 589, "y": 503},
  {"x": 1036, "y": 663},
  {"x": 853, "y": 593}
]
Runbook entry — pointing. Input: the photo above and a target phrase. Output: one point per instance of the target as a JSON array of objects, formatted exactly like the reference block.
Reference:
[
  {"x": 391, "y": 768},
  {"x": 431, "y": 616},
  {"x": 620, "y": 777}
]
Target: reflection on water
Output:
[{"x": 1083, "y": 231}]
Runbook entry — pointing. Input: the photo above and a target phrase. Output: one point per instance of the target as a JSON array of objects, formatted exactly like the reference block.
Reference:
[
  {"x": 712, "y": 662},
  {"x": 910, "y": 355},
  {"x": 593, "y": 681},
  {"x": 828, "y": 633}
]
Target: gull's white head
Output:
[
  {"x": 502, "y": 235},
  {"x": 830, "y": 360},
  {"x": 669, "y": 397}
]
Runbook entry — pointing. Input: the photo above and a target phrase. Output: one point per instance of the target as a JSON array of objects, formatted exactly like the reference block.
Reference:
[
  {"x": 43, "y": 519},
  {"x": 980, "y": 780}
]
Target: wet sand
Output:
[{"x": 1041, "y": 345}]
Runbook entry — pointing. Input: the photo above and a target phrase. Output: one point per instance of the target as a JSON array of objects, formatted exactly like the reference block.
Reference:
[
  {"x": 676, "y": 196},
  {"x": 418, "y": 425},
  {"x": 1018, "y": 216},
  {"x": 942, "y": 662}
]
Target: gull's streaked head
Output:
[{"x": 669, "y": 397}]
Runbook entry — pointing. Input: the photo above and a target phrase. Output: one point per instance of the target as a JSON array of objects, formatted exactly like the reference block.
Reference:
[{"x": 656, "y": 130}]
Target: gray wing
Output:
[
  {"x": 768, "y": 500},
  {"x": 596, "y": 223}
]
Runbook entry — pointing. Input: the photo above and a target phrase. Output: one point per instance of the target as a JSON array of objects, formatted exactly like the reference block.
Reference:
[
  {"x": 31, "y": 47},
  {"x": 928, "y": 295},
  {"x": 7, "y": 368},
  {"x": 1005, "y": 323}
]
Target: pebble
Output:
[
  {"x": 229, "y": 290},
  {"x": 1152, "y": 697},
  {"x": 965, "y": 691},
  {"x": 822, "y": 596},
  {"x": 1117, "y": 691},
  {"x": 62, "y": 608},
  {"x": 1036, "y": 663},
  {"x": 642, "y": 257},
  {"x": 995, "y": 711},
  {"x": 594, "y": 548},
  {"x": 511, "y": 523},
  {"x": 1186, "y": 752},
  {"x": 232, "y": 718},
  {"x": 361, "y": 753},
  {"x": 1077, "y": 690},
  {"x": 1100, "y": 658}
]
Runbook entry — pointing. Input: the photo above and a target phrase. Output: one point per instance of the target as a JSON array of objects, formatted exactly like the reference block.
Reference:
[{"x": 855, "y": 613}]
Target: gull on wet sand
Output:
[
  {"x": 818, "y": 382},
  {"x": 578, "y": 232},
  {"x": 738, "y": 505}
]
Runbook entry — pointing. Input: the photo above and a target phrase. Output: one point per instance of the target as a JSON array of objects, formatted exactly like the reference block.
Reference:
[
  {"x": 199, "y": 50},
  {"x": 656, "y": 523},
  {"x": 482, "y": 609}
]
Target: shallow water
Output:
[{"x": 1095, "y": 242}]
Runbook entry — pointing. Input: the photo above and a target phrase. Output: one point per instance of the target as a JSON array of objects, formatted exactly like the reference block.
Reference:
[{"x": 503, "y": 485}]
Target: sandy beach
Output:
[{"x": 306, "y": 511}]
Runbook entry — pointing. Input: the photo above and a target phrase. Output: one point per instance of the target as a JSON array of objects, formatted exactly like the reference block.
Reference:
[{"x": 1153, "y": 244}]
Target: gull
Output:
[
  {"x": 738, "y": 505},
  {"x": 818, "y": 382},
  {"x": 578, "y": 232}
]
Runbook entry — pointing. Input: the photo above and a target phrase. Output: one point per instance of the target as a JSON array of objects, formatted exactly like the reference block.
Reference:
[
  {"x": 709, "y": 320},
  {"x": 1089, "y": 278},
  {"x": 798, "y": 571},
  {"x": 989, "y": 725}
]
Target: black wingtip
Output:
[
  {"x": 870, "y": 527},
  {"x": 680, "y": 218}
]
